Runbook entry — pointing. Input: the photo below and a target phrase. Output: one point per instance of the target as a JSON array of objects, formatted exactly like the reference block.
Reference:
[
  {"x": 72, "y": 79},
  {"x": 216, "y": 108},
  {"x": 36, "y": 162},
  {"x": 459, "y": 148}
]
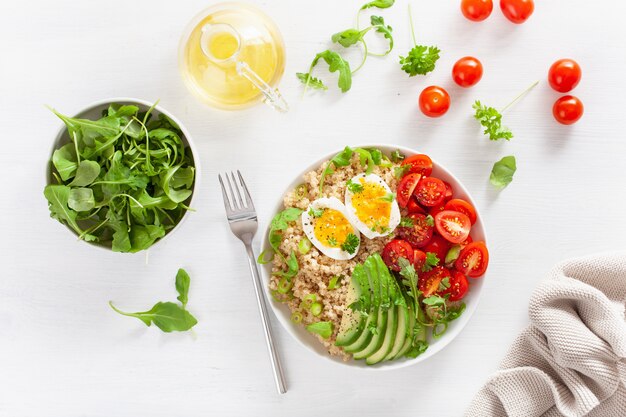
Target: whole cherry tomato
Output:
[
  {"x": 517, "y": 11},
  {"x": 434, "y": 101},
  {"x": 467, "y": 71},
  {"x": 567, "y": 110},
  {"x": 564, "y": 75},
  {"x": 476, "y": 10}
]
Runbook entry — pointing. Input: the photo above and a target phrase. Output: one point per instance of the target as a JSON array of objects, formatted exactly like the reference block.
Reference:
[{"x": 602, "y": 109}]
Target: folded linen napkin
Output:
[{"x": 570, "y": 361}]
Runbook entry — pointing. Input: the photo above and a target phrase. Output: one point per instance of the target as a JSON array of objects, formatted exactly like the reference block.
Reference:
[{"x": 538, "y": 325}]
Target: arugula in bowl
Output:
[{"x": 122, "y": 181}]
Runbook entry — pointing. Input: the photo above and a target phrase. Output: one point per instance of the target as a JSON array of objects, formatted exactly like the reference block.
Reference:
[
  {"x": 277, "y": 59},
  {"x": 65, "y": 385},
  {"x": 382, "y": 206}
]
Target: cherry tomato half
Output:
[
  {"x": 458, "y": 286},
  {"x": 476, "y": 10},
  {"x": 419, "y": 259},
  {"x": 449, "y": 192},
  {"x": 420, "y": 164},
  {"x": 564, "y": 75},
  {"x": 419, "y": 235},
  {"x": 406, "y": 188},
  {"x": 454, "y": 226},
  {"x": 517, "y": 11},
  {"x": 462, "y": 206},
  {"x": 414, "y": 207},
  {"x": 439, "y": 246},
  {"x": 473, "y": 260},
  {"x": 430, "y": 191},
  {"x": 467, "y": 71},
  {"x": 428, "y": 282},
  {"x": 395, "y": 250},
  {"x": 567, "y": 110},
  {"x": 434, "y": 101}
]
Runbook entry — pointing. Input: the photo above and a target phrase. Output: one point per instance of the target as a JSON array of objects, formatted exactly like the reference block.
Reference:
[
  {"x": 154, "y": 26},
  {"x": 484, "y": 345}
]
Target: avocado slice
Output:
[
  {"x": 401, "y": 333},
  {"x": 365, "y": 335},
  {"x": 390, "y": 337},
  {"x": 352, "y": 324},
  {"x": 377, "y": 338},
  {"x": 409, "y": 337},
  {"x": 353, "y": 321}
]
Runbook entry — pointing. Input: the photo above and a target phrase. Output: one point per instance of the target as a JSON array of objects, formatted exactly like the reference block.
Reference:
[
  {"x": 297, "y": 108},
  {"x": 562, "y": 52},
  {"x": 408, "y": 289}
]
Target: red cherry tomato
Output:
[
  {"x": 395, "y": 250},
  {"x": 462, "y": 206},
  {"x": 430, "y": 191},
  {"x": 476, "y": 10},
  {"x": 419, "y": 235},
  {"x": 428, "y": 282},
  {"x": 406, "y": 188},
  {"x": 467, "y": 71},
  {"x": 449, "y": 192},
  {"x": 420, "y": 164},
  {"x": 453, "y": 225},
  {"x": 439, "y": 246},
  {"x": 517, "y": 11},
  {"x": 434, "y": 101},
  {"x": 458, "y": 286},
  {"x": 434, "y": 210},
  {"x": 564, "y": 75},
  {"x": 567, "y": 110},
  {"x": 414, "y": 207},
  {"x": 419, "y": 259},
  {"x": 473, "y": 259}
]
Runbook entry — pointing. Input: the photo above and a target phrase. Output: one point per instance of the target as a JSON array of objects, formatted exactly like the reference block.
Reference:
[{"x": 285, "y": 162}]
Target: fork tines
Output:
[{"x": 235, "y": 203}]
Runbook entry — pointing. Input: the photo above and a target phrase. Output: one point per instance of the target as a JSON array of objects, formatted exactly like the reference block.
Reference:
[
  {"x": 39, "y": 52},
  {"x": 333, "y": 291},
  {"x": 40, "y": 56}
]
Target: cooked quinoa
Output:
[{"x": 316, "y": 269}]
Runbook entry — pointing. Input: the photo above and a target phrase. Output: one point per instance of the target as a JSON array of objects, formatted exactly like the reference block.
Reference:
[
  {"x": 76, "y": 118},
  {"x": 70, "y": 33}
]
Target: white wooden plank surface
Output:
[{"x": 63, "y": 352}]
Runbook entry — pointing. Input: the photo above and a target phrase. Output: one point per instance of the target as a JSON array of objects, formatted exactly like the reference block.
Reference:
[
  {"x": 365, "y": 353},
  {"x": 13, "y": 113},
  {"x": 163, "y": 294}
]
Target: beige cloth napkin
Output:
[{"x": 570, "y": 361}]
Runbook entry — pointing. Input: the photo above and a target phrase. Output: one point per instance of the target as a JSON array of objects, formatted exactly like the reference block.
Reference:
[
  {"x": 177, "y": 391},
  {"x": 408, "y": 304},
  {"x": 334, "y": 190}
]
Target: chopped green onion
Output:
[
  {"x": 308, "y": 301},
  {"x": 301, "y": 191},
  {"x": 334, "y": 282},
  {"x": 296, "y": 317},
  {"x": 304, "y": 246},
  {"x": 284, "y": 285},
  {"x": 263, "y": 259},
  {"x": 281, "y": 298},
  {"x": 316, "y": 309}
]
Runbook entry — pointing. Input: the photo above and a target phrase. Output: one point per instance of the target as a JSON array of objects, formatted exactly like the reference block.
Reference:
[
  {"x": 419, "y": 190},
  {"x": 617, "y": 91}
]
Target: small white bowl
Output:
[
  {"x": 471, "y": 300},
  {"x": 94, "y": 111}
]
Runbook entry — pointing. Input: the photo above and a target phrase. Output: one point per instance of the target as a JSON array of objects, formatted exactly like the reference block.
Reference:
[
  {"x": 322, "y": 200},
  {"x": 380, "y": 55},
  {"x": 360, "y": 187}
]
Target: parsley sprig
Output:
[
  {"x": 351, "y": 243},
  {"x": 421, "y": 59},
  {"x": 491, "y": 119}
]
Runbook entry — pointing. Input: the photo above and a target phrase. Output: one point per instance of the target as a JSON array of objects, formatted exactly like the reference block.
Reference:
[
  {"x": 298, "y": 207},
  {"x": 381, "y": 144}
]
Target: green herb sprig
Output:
[
  {"x": 421, "y": 59},
  {"x": 168, "y": 316}
]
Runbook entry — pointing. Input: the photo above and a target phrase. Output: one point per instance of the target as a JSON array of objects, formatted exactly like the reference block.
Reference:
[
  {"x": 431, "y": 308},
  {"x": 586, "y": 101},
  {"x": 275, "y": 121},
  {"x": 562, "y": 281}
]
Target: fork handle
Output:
[{"x": 279, "y": 377}]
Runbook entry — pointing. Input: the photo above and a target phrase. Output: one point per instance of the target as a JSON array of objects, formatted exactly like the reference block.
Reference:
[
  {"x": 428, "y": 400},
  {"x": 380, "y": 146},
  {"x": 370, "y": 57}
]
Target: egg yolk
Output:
[
  {"x": 371, "y": 207},
  {"x": 332, "y": 228}
]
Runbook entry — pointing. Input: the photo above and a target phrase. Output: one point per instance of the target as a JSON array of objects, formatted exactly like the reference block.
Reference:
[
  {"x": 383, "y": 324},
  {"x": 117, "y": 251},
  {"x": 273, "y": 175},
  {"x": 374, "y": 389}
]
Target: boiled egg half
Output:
[
  {"x": 371, "y": 206},
  {"x": 326, "y": 225}
]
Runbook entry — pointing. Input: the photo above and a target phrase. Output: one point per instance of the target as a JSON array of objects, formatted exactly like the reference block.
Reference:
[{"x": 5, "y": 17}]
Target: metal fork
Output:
[{"x": 244, "y": 224}]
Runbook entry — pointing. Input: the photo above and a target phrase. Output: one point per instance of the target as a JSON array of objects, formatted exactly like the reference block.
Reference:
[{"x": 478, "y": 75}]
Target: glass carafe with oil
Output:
[{"x": 232, "y": 56}]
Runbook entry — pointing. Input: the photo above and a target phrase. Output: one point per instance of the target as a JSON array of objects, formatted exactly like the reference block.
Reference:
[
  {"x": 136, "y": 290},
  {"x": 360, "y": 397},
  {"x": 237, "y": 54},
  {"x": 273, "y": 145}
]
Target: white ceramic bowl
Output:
[
  {"x": 471, "y": 300},
  {"x": 94, "y": 111}
]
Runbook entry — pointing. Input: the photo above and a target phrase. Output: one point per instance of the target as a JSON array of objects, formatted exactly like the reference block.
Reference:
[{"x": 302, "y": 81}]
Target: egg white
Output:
[
  {"x": 308, "y": 225},
  {"x": 394, "y": 215}
]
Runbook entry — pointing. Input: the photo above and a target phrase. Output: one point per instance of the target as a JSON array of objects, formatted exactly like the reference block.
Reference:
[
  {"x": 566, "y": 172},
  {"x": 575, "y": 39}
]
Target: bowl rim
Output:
[
  {"x": 310, "y": 345},
  {"x": 186, "y": 137}
]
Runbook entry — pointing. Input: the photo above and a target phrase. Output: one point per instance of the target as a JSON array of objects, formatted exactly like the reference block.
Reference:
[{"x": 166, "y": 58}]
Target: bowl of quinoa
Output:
[{"x": 317, "y": 291}]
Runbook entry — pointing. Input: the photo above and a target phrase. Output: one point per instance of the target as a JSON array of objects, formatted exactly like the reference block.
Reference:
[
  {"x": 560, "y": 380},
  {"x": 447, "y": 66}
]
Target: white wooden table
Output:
[{"x": 63, "y": 352}]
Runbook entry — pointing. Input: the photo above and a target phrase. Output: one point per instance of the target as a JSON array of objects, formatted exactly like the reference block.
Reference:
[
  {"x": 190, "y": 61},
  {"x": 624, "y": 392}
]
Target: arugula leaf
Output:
[
  {"x": 351, "y": 243},
  {"x": 65, "y": 161},
  {"x": 342, "y": 159},
  {"x": 378, "y": 23},
  {"x": 434, "y": 301},
  {"x": 431, "y": 261},
  {"x": 322, "y": 328},
  {"x": 491, "y": 120},
  {"x": 81, "y": 199},
  {"x": 420, "y": 60},
  {"x": 397, "y": 157},
  {"x": 335, "y": 64},
  {"x": 503, "y": 171},
  {"x": 444, "y": 284},
  {"x": 311, "y": 81},
  {"x": 168, "y": 316},
  {"x": 86, "y": 173},
  {"x": 453, "y": 254},
  {"x": 389, "y": 197},
  {"x": 281, "y": 220},
  {"x": 58, "y": 198},
  {"x": 349, "y": 37},
  {"x": 380, "y": 4},
  {"x": 182, "y": 286},
  {"x": 417, "y": 349}
]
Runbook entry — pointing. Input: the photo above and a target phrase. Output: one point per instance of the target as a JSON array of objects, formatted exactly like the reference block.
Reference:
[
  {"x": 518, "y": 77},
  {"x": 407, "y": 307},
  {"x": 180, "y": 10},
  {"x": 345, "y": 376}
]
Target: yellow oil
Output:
[{"x": 259, "y": 45}]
